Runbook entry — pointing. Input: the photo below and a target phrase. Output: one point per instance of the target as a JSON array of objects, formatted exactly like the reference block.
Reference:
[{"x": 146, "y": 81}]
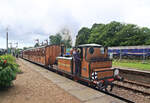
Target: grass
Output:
[{"x": 133, "y": 64}]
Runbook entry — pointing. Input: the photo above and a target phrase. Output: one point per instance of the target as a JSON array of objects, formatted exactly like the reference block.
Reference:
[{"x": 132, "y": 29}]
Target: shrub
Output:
[{"x": 8, "y": 70}]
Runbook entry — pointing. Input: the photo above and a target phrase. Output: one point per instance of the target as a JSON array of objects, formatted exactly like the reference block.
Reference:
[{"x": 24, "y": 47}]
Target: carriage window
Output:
[
  {"x": 102, "y": 50},
  {"x": 91, "y": 50},
  {"x": 79, "y": 50}
]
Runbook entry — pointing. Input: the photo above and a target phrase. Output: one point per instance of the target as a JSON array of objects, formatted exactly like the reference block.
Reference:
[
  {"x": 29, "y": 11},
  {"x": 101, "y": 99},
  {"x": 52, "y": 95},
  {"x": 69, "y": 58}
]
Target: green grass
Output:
[{"x": 133, "y": 64}]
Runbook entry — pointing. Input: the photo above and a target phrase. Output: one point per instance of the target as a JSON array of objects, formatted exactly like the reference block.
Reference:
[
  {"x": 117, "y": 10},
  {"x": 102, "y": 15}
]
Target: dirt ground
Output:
[{"x": 31, "y": 87}]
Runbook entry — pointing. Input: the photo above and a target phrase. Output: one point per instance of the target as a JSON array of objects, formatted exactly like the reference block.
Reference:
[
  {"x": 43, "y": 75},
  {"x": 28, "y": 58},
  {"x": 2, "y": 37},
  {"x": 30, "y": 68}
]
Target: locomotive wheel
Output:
[
  {"x": 91, "y": 85},
  {"x": 75, "y": 79},
  {"x": 108, "y": 86}
]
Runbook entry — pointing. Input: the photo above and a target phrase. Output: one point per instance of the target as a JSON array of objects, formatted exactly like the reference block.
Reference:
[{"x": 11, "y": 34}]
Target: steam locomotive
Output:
[{"x": 95, "y": 66}]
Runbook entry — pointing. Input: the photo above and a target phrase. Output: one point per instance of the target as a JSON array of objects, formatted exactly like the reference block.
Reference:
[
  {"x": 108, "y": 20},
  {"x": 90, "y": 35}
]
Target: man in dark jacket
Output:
[{"x": 77, "y": 60}]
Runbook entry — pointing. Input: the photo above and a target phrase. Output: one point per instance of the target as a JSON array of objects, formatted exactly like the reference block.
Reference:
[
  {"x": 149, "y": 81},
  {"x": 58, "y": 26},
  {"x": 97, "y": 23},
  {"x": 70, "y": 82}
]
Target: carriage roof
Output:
[
  {"x": 131, "y": 47},
  {"x": 90, "y": 45},
  {"x": 32, "y": 48}
]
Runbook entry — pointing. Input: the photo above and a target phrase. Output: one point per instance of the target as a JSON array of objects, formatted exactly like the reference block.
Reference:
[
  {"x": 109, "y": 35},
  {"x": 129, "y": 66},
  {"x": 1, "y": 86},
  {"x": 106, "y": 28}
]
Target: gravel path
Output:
[{"x": 31, "y": 87}]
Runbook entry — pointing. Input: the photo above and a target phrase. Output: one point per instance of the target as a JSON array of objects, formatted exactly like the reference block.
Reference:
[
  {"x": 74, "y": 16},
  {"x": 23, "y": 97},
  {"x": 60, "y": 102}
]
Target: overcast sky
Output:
[{"x": 28, "y": 20}]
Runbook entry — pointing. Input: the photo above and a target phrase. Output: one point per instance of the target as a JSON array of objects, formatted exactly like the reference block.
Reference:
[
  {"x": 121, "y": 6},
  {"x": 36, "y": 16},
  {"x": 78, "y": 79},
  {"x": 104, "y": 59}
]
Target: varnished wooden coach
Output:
[{"x": 45, "y": 55}]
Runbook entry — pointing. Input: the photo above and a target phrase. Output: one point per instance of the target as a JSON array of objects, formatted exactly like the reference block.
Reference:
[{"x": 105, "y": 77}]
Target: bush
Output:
[{"x": 8, "y": 70}]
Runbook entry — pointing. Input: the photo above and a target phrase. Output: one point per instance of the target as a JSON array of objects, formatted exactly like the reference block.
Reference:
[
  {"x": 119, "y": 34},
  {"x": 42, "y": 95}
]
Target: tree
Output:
[
  {"x": 62, "y": 37},
  {"x": 146, "y": 35},
  {"x": 114, "y": 34},
  {"x": 83, "y": 36},
  {"x": 36, "y": 45},
  {"x": 24, "y": 48},
  {"x": 55, "y": 39}
]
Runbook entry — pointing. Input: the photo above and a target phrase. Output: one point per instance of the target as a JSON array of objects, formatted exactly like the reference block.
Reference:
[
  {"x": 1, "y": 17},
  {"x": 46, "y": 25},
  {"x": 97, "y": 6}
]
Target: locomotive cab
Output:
[{"x": 95, "y": 61}]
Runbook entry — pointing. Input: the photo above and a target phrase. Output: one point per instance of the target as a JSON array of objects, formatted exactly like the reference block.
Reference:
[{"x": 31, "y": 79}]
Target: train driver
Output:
[{"x": 77, "y": 60}]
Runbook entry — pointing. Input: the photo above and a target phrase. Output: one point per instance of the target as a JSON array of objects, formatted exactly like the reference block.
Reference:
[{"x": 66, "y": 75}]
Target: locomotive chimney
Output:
[{"x": 62, "y": 49}]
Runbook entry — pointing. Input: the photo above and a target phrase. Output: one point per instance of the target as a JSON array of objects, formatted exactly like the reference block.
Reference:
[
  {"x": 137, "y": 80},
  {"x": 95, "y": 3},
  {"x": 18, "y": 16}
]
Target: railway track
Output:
[
  {"x": 116, "y": 96},
  {"x": 134, "y": 86},
  {"x": 95, "y": 88}
]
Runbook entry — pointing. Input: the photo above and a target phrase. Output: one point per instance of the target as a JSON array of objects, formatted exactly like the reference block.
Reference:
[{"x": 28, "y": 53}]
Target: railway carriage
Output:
[
  {"x": 95, "y": 66},
  {"x": 136, "y": 52},
  {"x": 45, "y": 55}
]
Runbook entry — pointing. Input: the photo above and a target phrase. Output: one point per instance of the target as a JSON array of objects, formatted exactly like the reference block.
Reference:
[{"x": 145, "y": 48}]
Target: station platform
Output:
[
  {"x": 132, "y": 69},
  {"x": 83, "y": 93},
  {"x": 135, "y": 74}
]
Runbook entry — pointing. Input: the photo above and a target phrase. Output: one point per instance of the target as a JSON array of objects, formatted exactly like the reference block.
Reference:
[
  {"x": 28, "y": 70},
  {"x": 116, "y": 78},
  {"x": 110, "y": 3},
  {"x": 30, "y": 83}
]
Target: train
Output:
[
  {"x": 135, "y": 52},
  {"x": 95, "y": 65}
]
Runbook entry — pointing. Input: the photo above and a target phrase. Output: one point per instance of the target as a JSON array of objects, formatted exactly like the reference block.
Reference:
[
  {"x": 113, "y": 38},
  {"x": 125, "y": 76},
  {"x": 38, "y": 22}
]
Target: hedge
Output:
[{"x": 8, "y": 70}]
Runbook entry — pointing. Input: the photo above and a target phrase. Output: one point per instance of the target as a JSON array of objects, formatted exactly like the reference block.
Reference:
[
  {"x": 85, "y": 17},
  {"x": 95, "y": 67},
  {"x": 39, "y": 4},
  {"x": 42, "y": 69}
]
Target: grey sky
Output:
[{"x": 28, "y": 20}]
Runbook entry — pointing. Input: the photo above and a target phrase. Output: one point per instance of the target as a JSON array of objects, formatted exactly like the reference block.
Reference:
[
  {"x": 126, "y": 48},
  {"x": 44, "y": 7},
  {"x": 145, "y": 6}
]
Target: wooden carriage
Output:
[{"x": 45, "y": 55}]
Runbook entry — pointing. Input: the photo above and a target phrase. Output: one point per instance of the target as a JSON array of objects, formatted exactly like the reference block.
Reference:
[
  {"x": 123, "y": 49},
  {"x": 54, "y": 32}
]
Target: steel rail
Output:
[{"x": 131, "y": 89}]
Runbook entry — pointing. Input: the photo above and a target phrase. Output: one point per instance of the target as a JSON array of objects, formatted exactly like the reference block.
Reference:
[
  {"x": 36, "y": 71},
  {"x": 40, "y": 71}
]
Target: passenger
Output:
[
  {"x": 17, "y": 55},
  {"x": 77, "y": 60},
  {"x": 71, "y": 52}
]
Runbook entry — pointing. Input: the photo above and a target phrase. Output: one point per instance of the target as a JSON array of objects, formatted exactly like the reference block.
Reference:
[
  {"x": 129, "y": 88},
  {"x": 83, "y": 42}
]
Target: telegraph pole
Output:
[{"x": 7, "y": 40}]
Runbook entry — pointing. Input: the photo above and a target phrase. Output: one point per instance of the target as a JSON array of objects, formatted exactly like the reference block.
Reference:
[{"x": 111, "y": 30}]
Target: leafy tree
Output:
[
  {"x": 146, "y": 35},
  {"x": 36, "y": 45},
  {"x": 24, "y": 48},
  {"x": 83, "y": 36},
  {"x": 55, "y": 39},
  {"x": 114, "y": 34},
  {"x": 64, "y": 36}
]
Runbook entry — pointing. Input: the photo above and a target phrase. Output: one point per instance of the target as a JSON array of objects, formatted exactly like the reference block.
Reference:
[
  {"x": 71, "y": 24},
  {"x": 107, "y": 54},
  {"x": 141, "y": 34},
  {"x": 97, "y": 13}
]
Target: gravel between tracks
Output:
[
  {"x": 135, "y": 97},
  {"x": 31, "y": 87}
]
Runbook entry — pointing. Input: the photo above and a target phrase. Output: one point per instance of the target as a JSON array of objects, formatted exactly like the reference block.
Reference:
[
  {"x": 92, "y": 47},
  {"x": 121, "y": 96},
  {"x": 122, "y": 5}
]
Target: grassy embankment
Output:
[{"x": 133, "y": 64}]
